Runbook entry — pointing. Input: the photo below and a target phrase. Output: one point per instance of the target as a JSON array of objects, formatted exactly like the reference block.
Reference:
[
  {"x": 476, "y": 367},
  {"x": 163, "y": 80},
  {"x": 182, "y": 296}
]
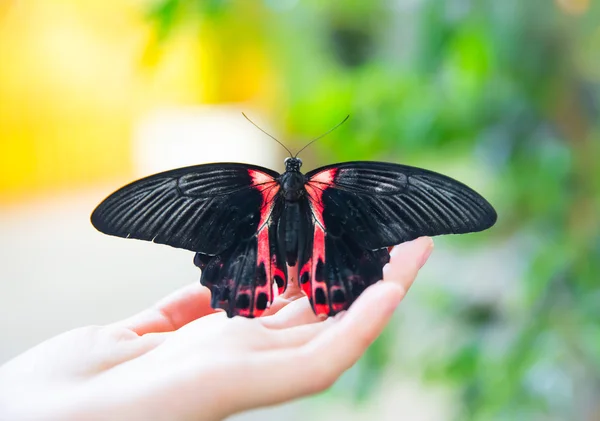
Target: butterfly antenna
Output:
[
  {"x": 272, "y": 137},
  {"x": 323, "y": 135}
]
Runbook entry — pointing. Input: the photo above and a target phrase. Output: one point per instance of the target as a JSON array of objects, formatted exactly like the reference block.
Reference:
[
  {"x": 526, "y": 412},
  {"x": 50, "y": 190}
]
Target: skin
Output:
[{"x": 181, "y": 360}]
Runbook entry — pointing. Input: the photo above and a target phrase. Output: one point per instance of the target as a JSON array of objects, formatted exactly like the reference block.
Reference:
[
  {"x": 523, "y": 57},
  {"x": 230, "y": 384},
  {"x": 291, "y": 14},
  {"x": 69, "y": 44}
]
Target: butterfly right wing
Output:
[{"x": 361, "y": 208}]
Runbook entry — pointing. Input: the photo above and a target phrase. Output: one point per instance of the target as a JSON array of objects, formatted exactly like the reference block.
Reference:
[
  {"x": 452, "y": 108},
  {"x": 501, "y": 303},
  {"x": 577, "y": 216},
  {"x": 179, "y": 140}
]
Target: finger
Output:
[
  {"x": 337, "y": 344},
  {"x": 297, "y": 336},
  {"x": 405, "y": 261},
  {"x": 115, "y": 345},
  {"x": 172, "y": 312},
  {"x": 341, "y": 346},
  {"x": 129, "y": 350},
  {"x": 292, "y": 308},
  {"x": 298, "y": 312},
  {"x": 308, "y": 369}
]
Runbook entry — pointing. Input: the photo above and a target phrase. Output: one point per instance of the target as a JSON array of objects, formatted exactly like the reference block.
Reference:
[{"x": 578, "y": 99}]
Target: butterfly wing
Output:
[
  {"x": 221, "y": 211},
  {"x": 336, "y": 270},
  {"x": 245, "y": 278},
  {"x": 361, "y": 208}
]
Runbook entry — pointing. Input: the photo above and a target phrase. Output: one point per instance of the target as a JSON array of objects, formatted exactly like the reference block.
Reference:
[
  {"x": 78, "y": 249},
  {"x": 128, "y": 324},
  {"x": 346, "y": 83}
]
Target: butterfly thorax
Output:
[{"x": 292, "y": 185}]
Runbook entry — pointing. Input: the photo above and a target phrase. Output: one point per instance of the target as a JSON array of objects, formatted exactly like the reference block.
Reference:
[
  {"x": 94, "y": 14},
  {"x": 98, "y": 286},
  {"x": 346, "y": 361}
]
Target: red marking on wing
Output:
[
  {"x": 315, "y": 188},
  {"x": 278, "y": 272},
  {"x": 306, "y": 286},
  {"x": 324, "y": 177},
  {"x": 244, "y": 312},
  {"x": 337, "y": 307},
  {"x": 269, "y": 188},
  {"x": 318, "y": 257},
  {"x": 263, "y": 257},
  {"x": 259, "y": 177}
]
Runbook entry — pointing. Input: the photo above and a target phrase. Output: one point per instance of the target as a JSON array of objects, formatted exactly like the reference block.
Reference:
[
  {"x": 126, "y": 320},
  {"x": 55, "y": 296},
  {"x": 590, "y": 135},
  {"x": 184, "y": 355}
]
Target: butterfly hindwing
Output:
[
  {"x": 338, "y": 271},
  {"x": 362, "y": 208},
  {"x": 246, "y": 278}
]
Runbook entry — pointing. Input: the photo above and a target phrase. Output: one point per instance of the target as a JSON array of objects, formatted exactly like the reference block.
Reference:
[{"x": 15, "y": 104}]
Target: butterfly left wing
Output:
[
  {"x": 221, "y": 211},
  {"x": 361, "y": 208}
]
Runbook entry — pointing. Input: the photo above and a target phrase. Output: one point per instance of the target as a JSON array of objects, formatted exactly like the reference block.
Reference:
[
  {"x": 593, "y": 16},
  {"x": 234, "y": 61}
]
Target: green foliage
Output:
[{"x": 510, "y": 88}]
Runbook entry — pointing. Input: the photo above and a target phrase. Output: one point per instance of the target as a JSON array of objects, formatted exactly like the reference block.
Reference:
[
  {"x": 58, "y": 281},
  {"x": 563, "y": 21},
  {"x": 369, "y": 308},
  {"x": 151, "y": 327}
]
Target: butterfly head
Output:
[{"x": 292, "y": 164}]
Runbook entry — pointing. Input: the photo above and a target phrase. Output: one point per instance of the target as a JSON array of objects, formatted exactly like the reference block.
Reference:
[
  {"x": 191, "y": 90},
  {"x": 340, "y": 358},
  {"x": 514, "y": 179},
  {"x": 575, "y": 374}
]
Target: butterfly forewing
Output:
[{"x": 381, "y": 204}]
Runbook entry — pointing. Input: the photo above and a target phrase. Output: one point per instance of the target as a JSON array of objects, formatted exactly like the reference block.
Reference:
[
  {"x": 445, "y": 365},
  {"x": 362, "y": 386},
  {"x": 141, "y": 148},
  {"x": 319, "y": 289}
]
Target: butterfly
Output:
[{"x": 255, "y": 231}]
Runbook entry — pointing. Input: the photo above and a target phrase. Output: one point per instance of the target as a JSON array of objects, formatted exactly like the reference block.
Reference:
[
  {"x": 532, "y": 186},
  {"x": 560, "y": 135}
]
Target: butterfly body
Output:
[
  {"x": 255, "y": 231},
  {"x": 292, "y": 185}
]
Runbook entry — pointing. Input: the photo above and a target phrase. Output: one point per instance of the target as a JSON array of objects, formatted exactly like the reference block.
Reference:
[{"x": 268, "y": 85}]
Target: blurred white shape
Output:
[
  {"x": 181, "y": 136},
  {"x": 59, "y": 273}
]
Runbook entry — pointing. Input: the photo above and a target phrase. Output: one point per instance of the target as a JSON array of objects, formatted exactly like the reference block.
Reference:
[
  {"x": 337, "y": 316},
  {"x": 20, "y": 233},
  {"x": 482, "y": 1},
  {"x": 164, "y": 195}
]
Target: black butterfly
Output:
[{"x": 254, "y": 230}]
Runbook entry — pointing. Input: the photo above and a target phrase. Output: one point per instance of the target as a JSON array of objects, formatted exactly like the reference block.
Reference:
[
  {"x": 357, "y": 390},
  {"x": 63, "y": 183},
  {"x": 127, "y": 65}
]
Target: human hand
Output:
[{"x": 181, "y": 360}]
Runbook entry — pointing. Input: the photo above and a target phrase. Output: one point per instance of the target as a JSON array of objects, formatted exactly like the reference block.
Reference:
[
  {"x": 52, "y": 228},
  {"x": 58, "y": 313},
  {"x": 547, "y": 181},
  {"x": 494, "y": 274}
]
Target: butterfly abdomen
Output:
[{"x": 294, "y": 225}]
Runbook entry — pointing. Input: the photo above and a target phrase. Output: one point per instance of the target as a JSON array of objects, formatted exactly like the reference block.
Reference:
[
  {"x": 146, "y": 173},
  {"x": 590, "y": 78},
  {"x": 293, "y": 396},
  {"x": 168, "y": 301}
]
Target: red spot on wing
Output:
[
  {"x": 244, "y": 312},
  {"x": 337, "y": 307},
  {"x": 280, "y": 273},
  {"x": 306, "y": 273}
]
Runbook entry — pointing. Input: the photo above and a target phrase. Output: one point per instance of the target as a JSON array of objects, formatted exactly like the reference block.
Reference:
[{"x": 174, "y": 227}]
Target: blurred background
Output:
[{"x": 502, "y": 95}]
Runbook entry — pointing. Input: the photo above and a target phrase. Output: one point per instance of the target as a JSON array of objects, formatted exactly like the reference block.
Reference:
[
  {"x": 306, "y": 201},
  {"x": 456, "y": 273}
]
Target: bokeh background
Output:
[{"x": 503, "y": 95}]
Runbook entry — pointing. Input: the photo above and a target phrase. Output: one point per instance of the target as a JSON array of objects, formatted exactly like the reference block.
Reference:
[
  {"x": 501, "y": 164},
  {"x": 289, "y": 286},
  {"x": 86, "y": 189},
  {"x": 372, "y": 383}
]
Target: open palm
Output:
[{"x": 181, "y": 360}]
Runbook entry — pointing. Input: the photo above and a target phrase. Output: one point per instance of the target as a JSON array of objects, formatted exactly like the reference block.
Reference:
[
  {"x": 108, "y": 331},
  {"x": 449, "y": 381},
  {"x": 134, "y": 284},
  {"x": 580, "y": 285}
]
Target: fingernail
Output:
[{"x": 427, "y": 252}]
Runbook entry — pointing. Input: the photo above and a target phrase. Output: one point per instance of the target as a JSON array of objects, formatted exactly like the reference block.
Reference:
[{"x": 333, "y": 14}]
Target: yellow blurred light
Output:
[
  {"x": 76, "y": 76},
  {"x": 574, "y": 7}
]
